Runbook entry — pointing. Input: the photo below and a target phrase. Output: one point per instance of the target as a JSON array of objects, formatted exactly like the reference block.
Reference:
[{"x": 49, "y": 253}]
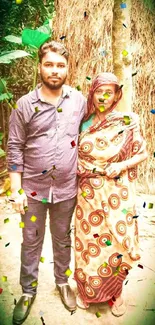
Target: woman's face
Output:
[{"x": 104, "y": 97}]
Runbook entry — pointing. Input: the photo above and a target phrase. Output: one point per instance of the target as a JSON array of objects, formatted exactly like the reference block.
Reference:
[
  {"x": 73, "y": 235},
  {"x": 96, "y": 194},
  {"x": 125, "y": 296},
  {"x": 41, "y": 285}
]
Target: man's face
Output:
[
  {"x": 110, "y": 96},
  {"x": 53, "y": 70}
]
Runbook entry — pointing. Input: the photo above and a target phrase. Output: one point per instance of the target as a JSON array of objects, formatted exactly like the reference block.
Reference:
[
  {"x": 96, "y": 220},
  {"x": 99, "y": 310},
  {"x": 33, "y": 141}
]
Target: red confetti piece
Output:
[
  {"x": 110, "y": 303},
  {"x": 73, "y": 144},
  {"x": 96, "y": 235},
  {"x": 1, "y": 290},
  {"x": 141, "y": 266},
  {"x": 126, "y": 271},
  {"x": 33, "y": 193}
]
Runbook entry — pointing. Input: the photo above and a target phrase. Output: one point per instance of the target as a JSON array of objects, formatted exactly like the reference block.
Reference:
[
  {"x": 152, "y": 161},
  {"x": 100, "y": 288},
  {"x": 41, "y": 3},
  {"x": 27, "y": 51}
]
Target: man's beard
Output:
[{"x": 53, "y": 86}]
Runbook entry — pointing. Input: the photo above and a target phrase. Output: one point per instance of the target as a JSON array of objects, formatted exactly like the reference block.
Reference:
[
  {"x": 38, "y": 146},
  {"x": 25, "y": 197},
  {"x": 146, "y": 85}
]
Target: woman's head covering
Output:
[{"x": 101, "y": 79}]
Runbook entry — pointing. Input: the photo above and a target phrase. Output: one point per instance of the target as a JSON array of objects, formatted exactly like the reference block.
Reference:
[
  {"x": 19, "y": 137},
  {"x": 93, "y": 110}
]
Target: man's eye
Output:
[{"x": 61, "y": 66}]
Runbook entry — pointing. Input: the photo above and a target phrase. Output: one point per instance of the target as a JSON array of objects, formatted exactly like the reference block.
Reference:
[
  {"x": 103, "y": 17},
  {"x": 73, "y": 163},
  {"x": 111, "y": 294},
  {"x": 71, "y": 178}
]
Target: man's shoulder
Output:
[
  {"x": 74, "y": 92},
  {"x": 30, "y": 96}
]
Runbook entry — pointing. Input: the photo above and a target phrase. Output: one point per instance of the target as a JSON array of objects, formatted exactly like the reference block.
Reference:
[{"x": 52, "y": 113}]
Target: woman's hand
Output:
[{"x": 114, "y": 169}]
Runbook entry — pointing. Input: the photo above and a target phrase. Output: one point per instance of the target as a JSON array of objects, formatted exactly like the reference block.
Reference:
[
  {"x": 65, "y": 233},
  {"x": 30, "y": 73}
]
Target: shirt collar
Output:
[{"x": 35, "y": 96}]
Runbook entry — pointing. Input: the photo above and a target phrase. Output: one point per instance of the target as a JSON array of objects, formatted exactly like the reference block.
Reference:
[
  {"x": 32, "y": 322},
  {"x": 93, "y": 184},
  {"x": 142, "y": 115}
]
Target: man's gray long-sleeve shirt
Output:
[{"x": 43, "y": 145}]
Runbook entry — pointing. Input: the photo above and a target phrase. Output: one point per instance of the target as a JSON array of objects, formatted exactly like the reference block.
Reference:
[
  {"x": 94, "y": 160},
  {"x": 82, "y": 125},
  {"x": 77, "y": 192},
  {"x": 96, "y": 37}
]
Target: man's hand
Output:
[
  {"x": 20, "y": 201},
  {"x": 114, "y": 170}
]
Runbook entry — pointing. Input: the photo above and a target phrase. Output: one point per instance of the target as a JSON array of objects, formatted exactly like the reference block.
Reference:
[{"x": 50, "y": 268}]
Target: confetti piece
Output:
[
  {"x": 68, "y": 272},
  {"x": 102, "y": 109},
  {"x": 123, "y": 5},
  {"x": 103, "y": 52},
  {"x": 113, "y": 298},
  {"x": 1, "y": 290},
  {"x": 18, "y": 2},
  {"x": 33, "y": 193},
  {"x": 26, "y": 303},
  {"x": 150, "y": 206},
  {"x": 101, "y": 100},
  {"x": 25, "y": 208},
  {"x": 135, "y": 217},
  {"x": 14, "y": 167},
  {"x": 124, "y": 53},
  {"x": 15, "y": 301},
  {"x": 126, "y": 282},
  {"x": 110, "y": 303},
  {"x": 43, "y": 323},
  {"x": 118, "y": 268},
  {"x": 84, "y": 194},
  {"x": 15, "y": 106},
  {"x": 124, "y": 25},
  {"x": 0, "y": 237},
  {"x": 8, "y": 193},
  {"x": 121, "y": 87},
  {"x": 21, "y": 191},
  {"x": 6, "y": 245},
  {"x": 144, "y": 205},
  {"x": 134, "y": 74},
  {"x": 117, "y": 177},
  {"x": 126, "y": 120},
  {"x": 106, "y": 95},
  {"x": 6, "y": 220},
  {"x": 62, "y": 37},
  {"x": 42, "y": 259},
  {"x": 73, "y": 312},
  {"x": 96, "y": 235},
  {"x": 85, "y": 14},
  {"x": 11, "y": 200},
  {"x": 36, "y": 109},
  {"x": 94, "y": 170},
  {"x": 88, "y": 78},
  {"x": 44, "y": 200},
  {"x": 59, "y": 109},
  {"x": 154, "y": 154},
  {"x": 105, "y": 264},
  {"x": 44, "y": 171},
  {"x": 53, "y": 177},
  {"x": 78, "y": 88},
  {"x": 21, "y": 224},
  {"x": 120, "y": 132},
  {"x": 73, "y": 144},
  {"x": 115, "y": 273},
  {"x": 4, "y": 278},
  {"x": 108, "y": 243},
  {"x": 98, "y": 314},
  {"x": 119, "y": 256},
  {"x": 33, "y": 218},
  {"x": 140, "y": 266},
  {"x": 34, "y": 284},
  {"x": 152, "y": 111}
]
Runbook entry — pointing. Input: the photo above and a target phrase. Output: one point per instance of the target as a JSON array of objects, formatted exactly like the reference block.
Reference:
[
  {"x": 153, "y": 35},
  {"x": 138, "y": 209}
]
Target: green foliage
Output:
[
  {"x": 7, "y": 57},
  {"x": 13, "y": 39},
  {"x": 34, "y": 38},
  {"x": 150, "y": 4}
]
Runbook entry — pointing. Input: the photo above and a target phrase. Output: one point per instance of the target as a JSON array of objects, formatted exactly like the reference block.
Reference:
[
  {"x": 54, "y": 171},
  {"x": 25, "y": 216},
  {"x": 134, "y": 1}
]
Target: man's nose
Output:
[{"x": 54, "y": 69}]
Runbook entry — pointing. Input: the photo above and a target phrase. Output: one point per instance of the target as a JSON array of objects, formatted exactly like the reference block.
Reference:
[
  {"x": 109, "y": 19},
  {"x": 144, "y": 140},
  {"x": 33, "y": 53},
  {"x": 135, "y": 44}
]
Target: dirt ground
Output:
[{"x": 139, "y": 291}]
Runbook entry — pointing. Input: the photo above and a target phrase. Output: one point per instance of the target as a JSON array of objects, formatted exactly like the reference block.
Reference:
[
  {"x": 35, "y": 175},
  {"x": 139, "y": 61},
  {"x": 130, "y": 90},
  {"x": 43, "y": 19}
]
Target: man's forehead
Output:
[{"x": 53, "y": 57}]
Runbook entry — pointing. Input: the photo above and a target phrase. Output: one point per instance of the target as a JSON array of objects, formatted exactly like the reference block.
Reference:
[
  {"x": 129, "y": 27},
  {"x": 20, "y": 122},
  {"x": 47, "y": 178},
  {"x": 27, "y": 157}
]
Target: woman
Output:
[{"x": 106, "y": 243}]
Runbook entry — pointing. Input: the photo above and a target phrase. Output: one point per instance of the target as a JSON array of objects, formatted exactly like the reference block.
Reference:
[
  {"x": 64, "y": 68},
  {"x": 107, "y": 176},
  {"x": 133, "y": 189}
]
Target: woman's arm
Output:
[{"x": 135, "y": 160}]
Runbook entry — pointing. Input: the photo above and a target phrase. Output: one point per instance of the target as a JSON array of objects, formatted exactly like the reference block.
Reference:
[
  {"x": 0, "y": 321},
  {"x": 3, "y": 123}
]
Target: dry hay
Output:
[
  {"x": 85, "y": 37},
  {"x": 143, "y": 60}
]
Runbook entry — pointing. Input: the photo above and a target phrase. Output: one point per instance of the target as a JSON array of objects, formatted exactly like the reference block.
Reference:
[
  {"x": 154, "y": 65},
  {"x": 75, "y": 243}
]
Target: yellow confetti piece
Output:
[
  {"x": 25, "y": 208},
  {"x": 98, "y": 314},
  {"x": 59, "y": 109},
  {"x": 26, "y": 303},
  {"x": 6, "y": 220},
  {"x": 106, "y": 95},
  {"x": 102, "y": 109},
  {"x": 115, "y": 273},
  {"x": 37, "y": 109},
  {"x": 8, "y": 193},
  {"x": 84, "y": 194},
  {"x": 34, "y": 284},
  {"x": 33, "y": 218},
  {"x": 105, "y": 264},
  {"x": 15, "y": 106},
  {"x": 4, "y": 278},
  {"x": 0, "y": 237},
  {"x": 68, "y": 272},
  {"x": 150, "y": 206},
  {"x": 21, "y": 191},
  {"x": 118, "y": 268},
  {"x": 42, "y": 259},
  {"x": 126, "y": 120},
  {"x": 124, "y": 53},
  {"x": 21, "y": 224}
]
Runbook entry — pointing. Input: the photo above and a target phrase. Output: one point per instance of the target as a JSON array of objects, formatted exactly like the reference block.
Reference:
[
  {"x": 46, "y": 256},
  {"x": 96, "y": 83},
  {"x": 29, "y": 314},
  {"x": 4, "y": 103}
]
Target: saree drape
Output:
[{"x": 106, "y": 237}]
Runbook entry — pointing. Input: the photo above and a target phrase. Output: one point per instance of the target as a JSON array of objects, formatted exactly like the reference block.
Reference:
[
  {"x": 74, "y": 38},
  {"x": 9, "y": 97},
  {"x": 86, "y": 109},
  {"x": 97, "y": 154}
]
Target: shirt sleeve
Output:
[{"x": 16, "y": 139}]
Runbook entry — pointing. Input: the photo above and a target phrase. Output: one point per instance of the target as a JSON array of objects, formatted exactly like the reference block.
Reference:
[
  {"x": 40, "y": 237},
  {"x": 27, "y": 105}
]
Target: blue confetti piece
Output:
[
  {"x": 152, "y": 111},
  {"x": 144, "y": 205},
  {"x": 14, "y": 167},
  {"x": 119, "y": 256},
  {"x": 135, "y": 217},
  {"x": 44, "y": 171},
  {"x": 123, "y": 5}
]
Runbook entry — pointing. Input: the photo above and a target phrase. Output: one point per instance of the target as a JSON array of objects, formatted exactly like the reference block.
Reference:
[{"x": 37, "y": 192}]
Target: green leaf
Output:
[
  {"x": 5, "y": 96},
  {"x": 2, "y": 85},
  {"x": 2, "y": 153},
  {"x": 45, "y": 29},
  {"x": 34, "y": 38},
  {"x": 13, "y": 39},
  {"x": 12, "y": 55}
]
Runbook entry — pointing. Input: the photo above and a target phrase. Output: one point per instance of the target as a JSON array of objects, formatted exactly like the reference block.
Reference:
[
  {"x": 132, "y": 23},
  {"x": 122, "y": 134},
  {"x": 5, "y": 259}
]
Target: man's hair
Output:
[{"x": 53, "y": 47}]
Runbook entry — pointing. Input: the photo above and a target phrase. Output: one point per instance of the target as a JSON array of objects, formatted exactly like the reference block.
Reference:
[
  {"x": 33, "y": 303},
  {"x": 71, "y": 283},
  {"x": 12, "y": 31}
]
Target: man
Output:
[{"x": 42, "y": 163}]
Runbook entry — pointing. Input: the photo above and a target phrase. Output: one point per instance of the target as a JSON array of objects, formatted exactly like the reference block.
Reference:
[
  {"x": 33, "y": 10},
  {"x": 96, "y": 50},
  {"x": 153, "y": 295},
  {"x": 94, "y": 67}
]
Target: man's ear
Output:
[{"x": 39, "y": 68}]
